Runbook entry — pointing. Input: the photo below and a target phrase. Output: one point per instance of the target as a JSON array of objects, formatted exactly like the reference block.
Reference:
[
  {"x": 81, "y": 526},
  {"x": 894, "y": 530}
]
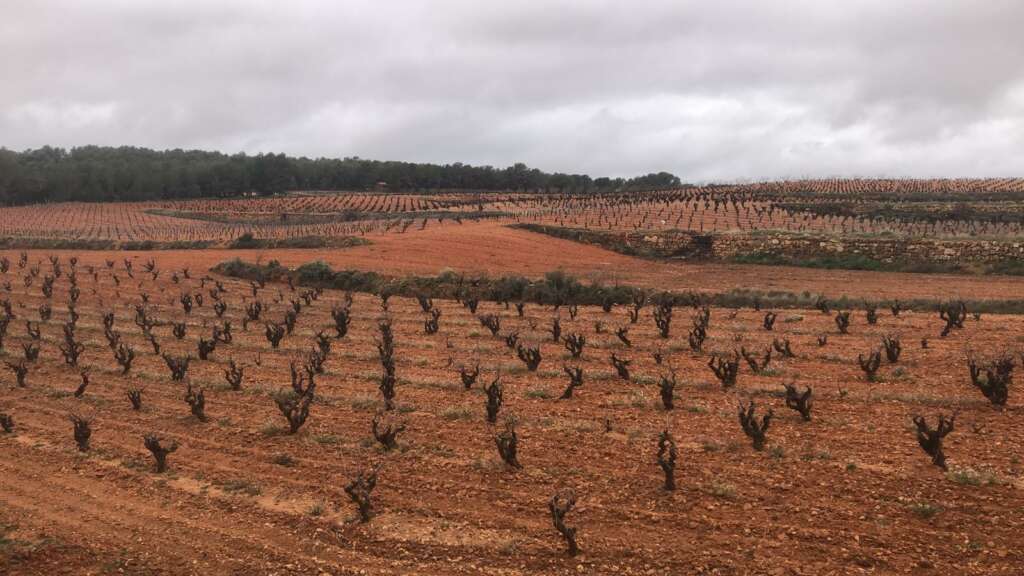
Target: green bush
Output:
[
  {"x": 238, "y": 269},
  {"x": 505, "y": 288},
  {"x": 246, "y": 240},
  {"x": 314, "y": 273},
  {"x": 10, "y": 243},
  {"x": 509, "y": 288},
  {"x": 357, "y": 281},
  {"x": 302, "y": 242}
]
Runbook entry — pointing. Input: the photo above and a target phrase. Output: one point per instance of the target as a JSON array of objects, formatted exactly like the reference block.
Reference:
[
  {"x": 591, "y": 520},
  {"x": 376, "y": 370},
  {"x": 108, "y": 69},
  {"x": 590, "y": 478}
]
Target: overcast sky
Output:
[{"x": 722, "y": 90}]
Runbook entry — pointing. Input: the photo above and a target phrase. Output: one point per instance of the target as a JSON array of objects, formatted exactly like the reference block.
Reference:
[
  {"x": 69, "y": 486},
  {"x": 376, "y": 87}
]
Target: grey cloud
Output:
[{"x": 725, "y": 91}]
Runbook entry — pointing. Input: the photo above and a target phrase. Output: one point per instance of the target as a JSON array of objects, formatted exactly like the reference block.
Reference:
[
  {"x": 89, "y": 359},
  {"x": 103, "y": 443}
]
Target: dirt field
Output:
[
  {"x": 848, "y": 492},
  {"x": 494, "y": 249}
]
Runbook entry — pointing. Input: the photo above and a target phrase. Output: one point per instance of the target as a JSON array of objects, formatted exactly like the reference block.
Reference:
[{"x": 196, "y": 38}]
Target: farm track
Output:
[{"x": 832, "y": 496}]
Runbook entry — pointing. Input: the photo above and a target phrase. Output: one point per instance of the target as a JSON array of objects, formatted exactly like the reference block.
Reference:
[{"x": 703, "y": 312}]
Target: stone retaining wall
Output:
[{"x": 681, "y": 244}]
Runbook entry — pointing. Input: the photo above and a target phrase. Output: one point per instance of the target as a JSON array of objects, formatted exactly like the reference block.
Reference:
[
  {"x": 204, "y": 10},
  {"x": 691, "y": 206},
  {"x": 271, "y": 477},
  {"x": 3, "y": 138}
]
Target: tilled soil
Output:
[
  {"x": 848, "y": 492},
  {"x": 496, "y": 250}
]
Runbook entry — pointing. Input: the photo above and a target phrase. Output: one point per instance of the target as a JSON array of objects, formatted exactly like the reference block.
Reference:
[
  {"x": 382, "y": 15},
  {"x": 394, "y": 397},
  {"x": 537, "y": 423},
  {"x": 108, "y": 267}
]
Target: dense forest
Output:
[{"x": 94, "y": 173}]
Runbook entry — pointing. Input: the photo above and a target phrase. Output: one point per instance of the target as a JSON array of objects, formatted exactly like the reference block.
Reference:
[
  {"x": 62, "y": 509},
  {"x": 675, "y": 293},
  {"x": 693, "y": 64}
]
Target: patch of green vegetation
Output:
[
  {"x": 637, "y": 399},
  {"x": 824, "y": 455},
  {"x": 137, "y": 464},
  {"x": 847, "y": 262},
  {"x": 438, "y": 450},
  {"x": 25, "y": 243},
  {"x": 248, "y": 242},
  {"x": 539, "y": 393},
  {"x": 365, "y": 404},
  {"x": 5, "y": 541},
  {"x": 722, "y": 490},
  {"x": 546, "y": 422},
  {"x": 284, "y": 460},
  {"x": 972, "y": 477},
  {"x": 711, "y": 446},
  {"x": 327, "y": 439},
  {"x": 146, "y": 245},
  {"x": 560, "y": 287},
  {"x": 1006, "y": 268},
  {"x": 924, "y": 510},
  {"x": 515, "y": 369},
  {"x": 236, "y": 268},
  {"x": 271, "y": 429},
  {"x": 240, "y": 485},
  {"x": 457, "y": 413}
]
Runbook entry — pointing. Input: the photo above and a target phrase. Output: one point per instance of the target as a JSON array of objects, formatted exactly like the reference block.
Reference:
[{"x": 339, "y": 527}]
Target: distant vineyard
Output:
[
  {"x": 911, "y": 207},
  {"x": 225, "y": 220},
  {"x": 325, "y": 204},
  {"x": 932, "y": 208}
]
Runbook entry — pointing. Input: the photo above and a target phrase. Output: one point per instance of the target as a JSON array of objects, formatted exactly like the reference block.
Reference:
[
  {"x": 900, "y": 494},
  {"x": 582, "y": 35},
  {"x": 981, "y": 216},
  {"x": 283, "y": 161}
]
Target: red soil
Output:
[
  {"x": 497, "y": 250},
  {"x": 849, "y": 492}
]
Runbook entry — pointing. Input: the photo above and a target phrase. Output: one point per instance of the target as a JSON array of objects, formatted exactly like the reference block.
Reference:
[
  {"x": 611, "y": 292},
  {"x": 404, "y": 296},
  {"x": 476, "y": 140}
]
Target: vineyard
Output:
[
  {"x": 162, "y": 419},
  {"x": 216, "y": 221},
  {"x": 986, "y": 209},
  {"x": 947, "y": 208},
  {"x": 971, "y": 209}
]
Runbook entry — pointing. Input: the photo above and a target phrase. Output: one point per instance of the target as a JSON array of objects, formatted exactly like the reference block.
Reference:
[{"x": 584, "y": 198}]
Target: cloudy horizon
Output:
[{"x": 730, "y": 92}]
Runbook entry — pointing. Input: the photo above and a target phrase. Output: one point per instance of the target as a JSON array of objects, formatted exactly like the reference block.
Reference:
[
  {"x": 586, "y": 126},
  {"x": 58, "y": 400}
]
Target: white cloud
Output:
[
  {"x": 52, "y": 115},
  {"x": 723, "y": 91}
]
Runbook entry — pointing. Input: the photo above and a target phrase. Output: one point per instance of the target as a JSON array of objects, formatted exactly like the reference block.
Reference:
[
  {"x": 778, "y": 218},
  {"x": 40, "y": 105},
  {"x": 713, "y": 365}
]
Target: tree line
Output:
[{"x": 96, "y": 173}]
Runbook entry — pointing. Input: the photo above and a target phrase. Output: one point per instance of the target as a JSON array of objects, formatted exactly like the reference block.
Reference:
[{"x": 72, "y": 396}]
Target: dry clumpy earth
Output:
[{"x": 848, "y": 492}]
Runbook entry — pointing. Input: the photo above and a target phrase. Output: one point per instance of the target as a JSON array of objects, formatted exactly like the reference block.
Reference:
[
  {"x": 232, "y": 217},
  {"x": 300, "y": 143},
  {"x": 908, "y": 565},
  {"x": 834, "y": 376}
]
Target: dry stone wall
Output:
[{"x": 681, "y": 244}]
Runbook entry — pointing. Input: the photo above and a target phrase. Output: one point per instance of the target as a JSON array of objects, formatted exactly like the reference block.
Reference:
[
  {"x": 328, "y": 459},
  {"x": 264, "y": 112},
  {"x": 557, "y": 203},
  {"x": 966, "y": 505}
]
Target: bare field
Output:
[
  {"x": 848, "y": 492},
  {"x": 494, "y": 249}
]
